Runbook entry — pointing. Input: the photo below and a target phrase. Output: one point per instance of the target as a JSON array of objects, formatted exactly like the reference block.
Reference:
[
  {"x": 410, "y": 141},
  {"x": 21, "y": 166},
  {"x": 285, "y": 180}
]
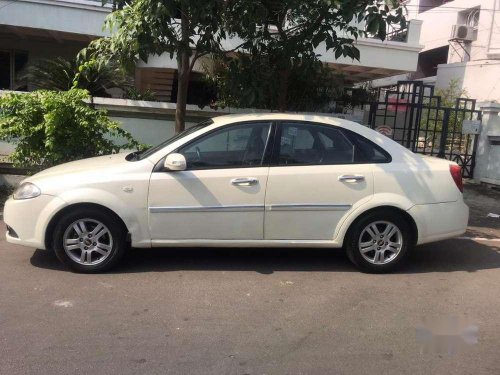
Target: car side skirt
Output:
[{"x": 245, "y": 243}]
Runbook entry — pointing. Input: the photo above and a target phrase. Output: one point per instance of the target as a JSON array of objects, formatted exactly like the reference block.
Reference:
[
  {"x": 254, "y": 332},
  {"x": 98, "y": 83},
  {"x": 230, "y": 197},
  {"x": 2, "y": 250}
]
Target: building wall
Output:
[
  {"x": 436, "y": 30},
  {"x": 150, "y": 131},
  {"x": 480, "y": 79},
  {"x": 488, "y": 146},
  {"x": 41, "y": 48},
  {"x": 79, "y": 17},
  {"x": 479, "y": 76}
]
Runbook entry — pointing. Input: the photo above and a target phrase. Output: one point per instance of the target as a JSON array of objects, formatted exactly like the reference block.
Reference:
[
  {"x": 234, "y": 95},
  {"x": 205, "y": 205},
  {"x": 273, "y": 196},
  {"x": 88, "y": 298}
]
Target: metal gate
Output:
[{"x": 412, "y": 115}]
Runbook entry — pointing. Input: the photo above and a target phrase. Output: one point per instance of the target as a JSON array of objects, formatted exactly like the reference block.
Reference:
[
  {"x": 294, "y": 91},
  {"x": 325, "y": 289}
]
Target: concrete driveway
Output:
[{"x": 258, "y": 311}]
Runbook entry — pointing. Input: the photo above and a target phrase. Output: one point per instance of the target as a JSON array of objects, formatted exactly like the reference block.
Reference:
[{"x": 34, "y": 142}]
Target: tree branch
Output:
[{"x": 193, "y": 60}]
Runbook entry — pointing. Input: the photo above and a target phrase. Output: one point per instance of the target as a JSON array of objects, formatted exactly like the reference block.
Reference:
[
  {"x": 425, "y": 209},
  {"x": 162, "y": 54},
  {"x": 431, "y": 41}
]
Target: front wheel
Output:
[
  {"x": 379, "y": 242},
  {"x": 88, "y": 240}
]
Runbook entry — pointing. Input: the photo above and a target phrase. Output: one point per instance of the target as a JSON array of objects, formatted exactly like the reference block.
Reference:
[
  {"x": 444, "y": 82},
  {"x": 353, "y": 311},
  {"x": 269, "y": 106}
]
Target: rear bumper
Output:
[{"x": 440, "y": 220}]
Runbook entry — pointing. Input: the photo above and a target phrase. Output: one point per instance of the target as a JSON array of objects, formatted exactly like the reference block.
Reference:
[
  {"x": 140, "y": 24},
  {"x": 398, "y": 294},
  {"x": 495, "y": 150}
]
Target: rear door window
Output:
[{"x": 303, "y": 143}]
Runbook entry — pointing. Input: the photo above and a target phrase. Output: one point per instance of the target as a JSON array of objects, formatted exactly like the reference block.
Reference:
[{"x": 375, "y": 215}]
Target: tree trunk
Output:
[
  {"x": 182, "y": 90},
  {"x": 183, "y": 72},
  {"x": 283, "y": 76}
]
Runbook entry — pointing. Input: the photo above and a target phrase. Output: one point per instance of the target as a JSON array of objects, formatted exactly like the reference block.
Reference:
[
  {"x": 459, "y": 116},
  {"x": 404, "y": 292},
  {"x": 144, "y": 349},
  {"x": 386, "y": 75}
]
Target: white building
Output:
[
  {"x": 461, "y": 40},
  {"x": 33, "y": 29}
]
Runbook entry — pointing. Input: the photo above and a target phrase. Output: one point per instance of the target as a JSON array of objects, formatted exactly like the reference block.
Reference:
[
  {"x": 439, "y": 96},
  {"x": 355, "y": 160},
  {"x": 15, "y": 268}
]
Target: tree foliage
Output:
[
  {"x": 51, "y": 127},
  {"x": 289, "y": 33},
  {"x": 451, "y": 93},
  {"x": 285, "y": 34},
  {"x": 433, "y": 115},
  {"x": 184, "y": 29},
  {"x": 246, "y": 82}
]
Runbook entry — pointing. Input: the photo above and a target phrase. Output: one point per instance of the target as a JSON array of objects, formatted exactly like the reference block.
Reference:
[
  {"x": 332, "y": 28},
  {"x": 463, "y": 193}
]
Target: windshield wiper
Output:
[{"x": 133, "y": 156}]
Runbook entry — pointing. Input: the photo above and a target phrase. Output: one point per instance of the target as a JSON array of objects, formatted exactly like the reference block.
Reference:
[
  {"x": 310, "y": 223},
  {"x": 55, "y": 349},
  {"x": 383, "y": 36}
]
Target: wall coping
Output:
[
  {"x": 148, "y": 107},
  {"x": 468, "y": 63},
  {"x": 93, "y": 5},
  {"x": 489, "y": 107}
]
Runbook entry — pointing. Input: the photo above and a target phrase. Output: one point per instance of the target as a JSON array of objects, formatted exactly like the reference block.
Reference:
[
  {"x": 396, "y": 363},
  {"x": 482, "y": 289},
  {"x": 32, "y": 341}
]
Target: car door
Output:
[
  {"x": 314, "y": 181},
  {"x": 220, "y": 196}
]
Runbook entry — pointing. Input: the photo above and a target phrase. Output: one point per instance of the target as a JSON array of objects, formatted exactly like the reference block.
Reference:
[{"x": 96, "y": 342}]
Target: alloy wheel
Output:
[
  {"x": 380, "y": 242},
  {"x": 87, "y": 242}
]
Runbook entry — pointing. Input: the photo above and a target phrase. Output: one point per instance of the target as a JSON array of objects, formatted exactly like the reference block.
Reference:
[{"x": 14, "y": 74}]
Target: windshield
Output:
[{"x": 139, "y": 155}]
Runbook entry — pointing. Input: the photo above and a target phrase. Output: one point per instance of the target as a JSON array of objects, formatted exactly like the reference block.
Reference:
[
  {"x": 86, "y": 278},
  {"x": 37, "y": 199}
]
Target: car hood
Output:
[{"x": 111, "y": 162}]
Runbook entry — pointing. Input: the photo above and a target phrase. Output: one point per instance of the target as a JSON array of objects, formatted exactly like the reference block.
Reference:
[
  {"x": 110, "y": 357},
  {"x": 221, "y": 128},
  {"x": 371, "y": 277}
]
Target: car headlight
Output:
[{"x": 26, "y": 190}]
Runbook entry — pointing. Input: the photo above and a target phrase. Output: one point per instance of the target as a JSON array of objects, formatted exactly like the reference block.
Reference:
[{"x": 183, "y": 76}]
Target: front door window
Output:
[{"x": 232, "y": 147}]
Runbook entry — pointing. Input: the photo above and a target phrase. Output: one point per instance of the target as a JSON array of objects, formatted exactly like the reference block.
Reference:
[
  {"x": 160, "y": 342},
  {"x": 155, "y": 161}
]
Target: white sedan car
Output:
[{"x": 262, "y": 180}]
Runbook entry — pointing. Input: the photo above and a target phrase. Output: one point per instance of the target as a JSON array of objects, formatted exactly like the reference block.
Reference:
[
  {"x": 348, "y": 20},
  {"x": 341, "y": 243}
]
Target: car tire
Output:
[
  {"x": 89, "y": 240},
  {"x": 379, "y": 242}
]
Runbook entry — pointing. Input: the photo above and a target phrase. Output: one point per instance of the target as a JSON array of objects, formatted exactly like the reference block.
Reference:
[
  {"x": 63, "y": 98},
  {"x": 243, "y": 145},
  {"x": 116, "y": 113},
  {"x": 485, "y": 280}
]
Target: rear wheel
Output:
[
  {"x": 88, "y": 240},
  {"x": 379, "y": 242}
]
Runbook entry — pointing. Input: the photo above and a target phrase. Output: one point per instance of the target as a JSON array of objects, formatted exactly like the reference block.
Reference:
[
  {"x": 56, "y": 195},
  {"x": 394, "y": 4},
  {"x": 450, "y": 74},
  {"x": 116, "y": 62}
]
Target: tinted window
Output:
[
  {"x": 312, "y": 144},
  {"x": 366, "y": 151},
  {"x": 305, "y": 144},
  {"x": 233, "y": 146}
]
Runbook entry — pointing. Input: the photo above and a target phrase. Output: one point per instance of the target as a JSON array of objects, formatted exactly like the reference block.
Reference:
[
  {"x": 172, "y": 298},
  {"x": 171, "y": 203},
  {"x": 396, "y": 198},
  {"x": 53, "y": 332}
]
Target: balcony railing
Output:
[
  {"x": 397, "y": 35},
  {"x": 394, "y": 34}
]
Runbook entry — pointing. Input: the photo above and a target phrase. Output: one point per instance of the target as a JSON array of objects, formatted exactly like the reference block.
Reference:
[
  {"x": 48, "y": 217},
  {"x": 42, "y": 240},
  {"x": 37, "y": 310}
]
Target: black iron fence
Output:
[{"x": 412, "y": 115}]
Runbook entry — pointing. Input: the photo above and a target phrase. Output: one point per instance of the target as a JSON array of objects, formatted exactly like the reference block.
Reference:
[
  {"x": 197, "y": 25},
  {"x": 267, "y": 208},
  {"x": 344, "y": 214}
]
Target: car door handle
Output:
[
  {"x": 351, "y": 178},
  {"x": 244, "y": 181}
]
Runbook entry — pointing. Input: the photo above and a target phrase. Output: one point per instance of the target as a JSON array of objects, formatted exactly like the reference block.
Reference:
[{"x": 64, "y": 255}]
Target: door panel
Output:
[
  {"x": 308, "y": 202},
  {"x": 205, "y": 204},
  {"x": 221, "y": 195},
  {"x": 318, "y": 179}
]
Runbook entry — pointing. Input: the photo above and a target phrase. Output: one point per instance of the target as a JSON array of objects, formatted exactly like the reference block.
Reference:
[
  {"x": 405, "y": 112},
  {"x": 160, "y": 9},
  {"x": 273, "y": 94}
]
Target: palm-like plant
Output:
[{"x": 61, "y": 74}]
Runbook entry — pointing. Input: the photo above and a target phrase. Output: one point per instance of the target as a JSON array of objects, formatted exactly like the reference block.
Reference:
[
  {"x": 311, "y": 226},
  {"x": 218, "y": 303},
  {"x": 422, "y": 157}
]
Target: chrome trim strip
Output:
[
  {"x": 227, "y": 208},
  {"x": 308, "y": 207},
  {"x": 253, "y": 208}
]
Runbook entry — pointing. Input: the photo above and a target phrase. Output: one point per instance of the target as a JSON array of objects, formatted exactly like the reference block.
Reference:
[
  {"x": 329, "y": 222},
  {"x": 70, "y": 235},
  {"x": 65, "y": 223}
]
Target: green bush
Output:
[
  {"x": 53, "y": 127},
  {"x": 60, "y": 74},
  {"x": 134, "y": 94}
]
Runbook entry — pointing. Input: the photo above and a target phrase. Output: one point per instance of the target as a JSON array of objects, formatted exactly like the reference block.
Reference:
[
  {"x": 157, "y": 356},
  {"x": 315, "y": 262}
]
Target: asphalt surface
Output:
[{"x": 258, "y": 311}]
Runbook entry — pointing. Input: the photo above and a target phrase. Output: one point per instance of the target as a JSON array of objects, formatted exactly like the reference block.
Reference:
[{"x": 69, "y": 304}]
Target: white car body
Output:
[{"x": 293, "y": 205}]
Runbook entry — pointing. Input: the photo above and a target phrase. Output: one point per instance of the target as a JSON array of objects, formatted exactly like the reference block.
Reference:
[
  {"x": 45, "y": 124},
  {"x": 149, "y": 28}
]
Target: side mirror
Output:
[{"x": 175, "y": 162}]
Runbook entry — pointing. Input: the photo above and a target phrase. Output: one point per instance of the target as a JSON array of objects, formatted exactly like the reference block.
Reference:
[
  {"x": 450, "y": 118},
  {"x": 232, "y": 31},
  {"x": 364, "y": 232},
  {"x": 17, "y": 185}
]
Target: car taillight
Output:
[{"x": 456, "y": 173}]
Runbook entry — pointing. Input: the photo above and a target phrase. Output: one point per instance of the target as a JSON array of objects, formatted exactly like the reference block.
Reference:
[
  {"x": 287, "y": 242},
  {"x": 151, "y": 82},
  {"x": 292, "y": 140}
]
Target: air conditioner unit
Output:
[{"x": 463, "y": 32}]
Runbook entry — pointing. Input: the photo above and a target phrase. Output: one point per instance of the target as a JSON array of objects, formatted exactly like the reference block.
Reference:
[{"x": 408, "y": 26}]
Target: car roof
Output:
[
  {"x": 306, "y": 117},
  {"x": 233, "y": 118}
]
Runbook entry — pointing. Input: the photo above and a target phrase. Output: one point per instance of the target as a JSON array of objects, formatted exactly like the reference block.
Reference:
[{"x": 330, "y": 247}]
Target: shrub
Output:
[
  {"x": 53, "y": 127},
  {"x": 134, "y": 94},
  {"x": 61, "y": 74}
]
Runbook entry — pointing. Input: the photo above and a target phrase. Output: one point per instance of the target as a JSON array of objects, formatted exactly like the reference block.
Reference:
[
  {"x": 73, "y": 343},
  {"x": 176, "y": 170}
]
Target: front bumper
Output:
[
  {"x": 29, "y": 218},
  {"x": 439, "y": 221}
]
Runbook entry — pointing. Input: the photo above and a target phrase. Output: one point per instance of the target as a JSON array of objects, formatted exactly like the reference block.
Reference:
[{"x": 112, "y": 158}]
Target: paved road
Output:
[{"x": 259, "y": 311}]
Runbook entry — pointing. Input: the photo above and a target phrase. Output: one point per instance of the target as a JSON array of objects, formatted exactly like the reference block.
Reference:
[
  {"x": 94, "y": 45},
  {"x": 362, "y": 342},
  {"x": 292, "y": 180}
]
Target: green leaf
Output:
[
  {"x": 373, "y": 26},
  {"x": 338, "y": 53},
  {"x": 382, "y": 30}
]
